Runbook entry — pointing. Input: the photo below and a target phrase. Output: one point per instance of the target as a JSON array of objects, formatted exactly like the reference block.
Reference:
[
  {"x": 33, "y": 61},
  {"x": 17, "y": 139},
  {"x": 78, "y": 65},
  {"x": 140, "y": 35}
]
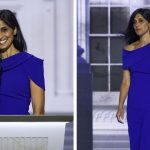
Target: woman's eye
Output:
[
  {"x": 141, "y": 20},
  {"x": 3, "y": 29}
]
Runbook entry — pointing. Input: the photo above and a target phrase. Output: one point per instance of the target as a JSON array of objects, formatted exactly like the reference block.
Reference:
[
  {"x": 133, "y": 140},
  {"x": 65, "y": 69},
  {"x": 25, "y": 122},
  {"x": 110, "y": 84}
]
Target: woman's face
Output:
[
  {"x": 6, "y": 35},
  {"x": 141, "y": 25}
]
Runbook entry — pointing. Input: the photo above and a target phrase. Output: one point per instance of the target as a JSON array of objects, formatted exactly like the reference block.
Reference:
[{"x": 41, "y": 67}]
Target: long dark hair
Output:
[
  {"x": 9, "y": 18},
  {"x": 130, "y": 35}
]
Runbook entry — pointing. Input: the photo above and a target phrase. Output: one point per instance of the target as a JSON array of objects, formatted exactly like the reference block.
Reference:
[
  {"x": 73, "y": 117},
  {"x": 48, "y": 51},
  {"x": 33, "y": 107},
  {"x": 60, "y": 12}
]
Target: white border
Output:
[{"x": 75, "y": 75}]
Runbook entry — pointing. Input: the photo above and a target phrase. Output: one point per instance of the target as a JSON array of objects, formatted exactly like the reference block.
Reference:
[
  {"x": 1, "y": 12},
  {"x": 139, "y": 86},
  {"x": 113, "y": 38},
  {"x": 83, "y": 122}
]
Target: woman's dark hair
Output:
[
  {"x": 130, "y": 35},
  {"x": 9, "y": 18}
]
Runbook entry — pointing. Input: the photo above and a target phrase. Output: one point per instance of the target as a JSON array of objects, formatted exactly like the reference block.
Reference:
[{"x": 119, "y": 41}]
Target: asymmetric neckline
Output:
[
  {"x": 14, "y": 60},
  {"x": 12, "y": 56},
  {"x": 137, "y": 49}
]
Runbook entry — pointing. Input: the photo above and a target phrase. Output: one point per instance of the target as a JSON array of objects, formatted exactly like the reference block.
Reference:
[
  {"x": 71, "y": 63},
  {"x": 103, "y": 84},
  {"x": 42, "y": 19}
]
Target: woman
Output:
[
  {"x": 21, "y": 77},
  {"x": 136, "y": 80}
]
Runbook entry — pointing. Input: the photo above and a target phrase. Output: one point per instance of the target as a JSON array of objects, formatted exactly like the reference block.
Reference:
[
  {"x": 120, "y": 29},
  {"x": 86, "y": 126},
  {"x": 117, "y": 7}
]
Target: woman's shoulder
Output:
[
  {"x": 34, "y": 57},
  {"x": 131, "y": 47},
  {"x": 32, "y": 61}
]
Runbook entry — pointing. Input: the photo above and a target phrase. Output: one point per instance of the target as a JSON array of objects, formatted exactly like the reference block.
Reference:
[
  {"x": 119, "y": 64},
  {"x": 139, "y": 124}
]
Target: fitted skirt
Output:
[{"x": 139, "y": 128}]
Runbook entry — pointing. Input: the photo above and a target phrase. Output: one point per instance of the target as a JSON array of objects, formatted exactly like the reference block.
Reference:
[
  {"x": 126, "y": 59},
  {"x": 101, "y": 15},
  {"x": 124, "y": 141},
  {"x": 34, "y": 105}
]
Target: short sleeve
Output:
[
  {"x": 125, "y": 65},
  {"x": 35, "y": 71}
]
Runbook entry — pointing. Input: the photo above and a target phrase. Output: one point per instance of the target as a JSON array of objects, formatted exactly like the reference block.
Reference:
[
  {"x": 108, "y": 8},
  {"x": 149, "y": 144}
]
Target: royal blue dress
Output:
[
  {"x": 138, "y": 102},
  {"x": 17, "y": 71}
]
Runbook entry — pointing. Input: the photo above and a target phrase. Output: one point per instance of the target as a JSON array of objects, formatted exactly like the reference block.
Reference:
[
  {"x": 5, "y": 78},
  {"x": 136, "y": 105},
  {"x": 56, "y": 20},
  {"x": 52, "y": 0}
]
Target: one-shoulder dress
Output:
[
  {"x": 138, "y": 101},
  {"x": 17, "y": 71}
]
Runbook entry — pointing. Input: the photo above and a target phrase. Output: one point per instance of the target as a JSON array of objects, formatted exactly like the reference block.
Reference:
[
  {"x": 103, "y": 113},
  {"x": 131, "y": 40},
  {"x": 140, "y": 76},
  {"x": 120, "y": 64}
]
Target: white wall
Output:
[
  {"x": 82, "y": 27},
  {"x": 48, "y": 29}
]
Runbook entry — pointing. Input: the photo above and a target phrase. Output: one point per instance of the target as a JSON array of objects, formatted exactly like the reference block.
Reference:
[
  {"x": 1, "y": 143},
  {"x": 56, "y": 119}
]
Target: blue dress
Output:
[
  {"x": 138, "y": 102},
  {"x": 17, "y": 71}
]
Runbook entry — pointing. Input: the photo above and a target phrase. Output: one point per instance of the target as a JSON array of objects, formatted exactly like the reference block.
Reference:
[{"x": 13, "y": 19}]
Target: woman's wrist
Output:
[{"x": 120, "y": 107}]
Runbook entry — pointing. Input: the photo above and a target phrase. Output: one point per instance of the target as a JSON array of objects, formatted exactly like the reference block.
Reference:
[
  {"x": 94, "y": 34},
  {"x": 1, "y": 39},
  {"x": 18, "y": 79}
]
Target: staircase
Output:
[
  {"x": 68, "y": 143},
  {"x": 113, "y": 140},
  {"x": 108, "y": 134}
]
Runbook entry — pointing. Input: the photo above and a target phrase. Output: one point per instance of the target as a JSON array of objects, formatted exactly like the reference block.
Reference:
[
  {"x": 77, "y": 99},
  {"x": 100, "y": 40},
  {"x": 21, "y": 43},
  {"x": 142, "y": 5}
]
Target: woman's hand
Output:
[{"x": 120, "y": 115}]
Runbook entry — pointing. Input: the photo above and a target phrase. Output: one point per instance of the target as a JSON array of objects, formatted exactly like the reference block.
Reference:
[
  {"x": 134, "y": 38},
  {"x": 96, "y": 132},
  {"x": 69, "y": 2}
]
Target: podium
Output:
[{"x": 24, "y": 134}]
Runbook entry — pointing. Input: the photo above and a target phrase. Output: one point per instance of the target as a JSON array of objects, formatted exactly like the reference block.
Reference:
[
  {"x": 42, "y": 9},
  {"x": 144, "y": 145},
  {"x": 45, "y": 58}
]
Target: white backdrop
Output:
[{"x": 48, "y": 29}]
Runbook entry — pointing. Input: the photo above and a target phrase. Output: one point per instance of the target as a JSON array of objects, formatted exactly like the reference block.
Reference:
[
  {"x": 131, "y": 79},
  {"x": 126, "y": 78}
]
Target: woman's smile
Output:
[
  {"x": 3, "y": 42},
  {"x": 6, "y": 36}
]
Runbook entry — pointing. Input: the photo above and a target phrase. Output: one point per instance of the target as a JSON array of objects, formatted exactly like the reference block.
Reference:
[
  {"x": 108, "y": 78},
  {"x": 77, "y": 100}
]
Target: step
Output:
[{"x": 111, "y": 144}]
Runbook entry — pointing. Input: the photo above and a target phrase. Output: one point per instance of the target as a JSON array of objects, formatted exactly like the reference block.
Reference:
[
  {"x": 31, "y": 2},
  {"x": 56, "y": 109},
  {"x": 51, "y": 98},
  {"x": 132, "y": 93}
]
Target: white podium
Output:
[{"x": 32, "y": 135}]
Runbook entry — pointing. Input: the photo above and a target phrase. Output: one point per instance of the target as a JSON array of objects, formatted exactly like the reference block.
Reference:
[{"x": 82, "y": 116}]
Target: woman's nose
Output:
[
  {"x": 1, "y": 35},
  {"x": 137, "y": 24}
]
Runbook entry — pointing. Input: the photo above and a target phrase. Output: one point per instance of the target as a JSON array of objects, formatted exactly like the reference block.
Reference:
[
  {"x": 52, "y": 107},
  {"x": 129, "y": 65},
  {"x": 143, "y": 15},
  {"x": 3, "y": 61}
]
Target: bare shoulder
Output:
[{"x": 132, "y": 46}]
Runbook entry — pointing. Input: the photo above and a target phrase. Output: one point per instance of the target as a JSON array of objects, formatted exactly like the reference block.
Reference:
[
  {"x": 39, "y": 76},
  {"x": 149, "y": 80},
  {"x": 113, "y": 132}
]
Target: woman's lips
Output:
[{"x": 3, "y": 41}]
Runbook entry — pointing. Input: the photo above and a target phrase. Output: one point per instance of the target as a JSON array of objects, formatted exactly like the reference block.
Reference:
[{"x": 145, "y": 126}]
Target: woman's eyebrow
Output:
[
  {"x": 137, "y": 19},
  {"x": 3, "y": 27}
]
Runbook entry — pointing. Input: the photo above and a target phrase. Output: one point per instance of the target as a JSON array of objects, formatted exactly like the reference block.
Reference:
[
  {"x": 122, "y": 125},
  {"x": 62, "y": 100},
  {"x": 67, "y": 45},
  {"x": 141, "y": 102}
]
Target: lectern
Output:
[{"x": 23, "y": 134}]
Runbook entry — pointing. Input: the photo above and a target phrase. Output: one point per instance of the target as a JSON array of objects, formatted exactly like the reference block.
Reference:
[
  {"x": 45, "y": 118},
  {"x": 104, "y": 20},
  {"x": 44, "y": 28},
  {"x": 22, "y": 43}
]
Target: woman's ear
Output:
[{"x": 15, "y": 31}]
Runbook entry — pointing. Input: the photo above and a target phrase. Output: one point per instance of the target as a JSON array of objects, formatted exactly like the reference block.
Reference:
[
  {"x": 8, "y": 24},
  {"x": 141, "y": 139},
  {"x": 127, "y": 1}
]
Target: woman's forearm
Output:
[
  {"x": 123, "y": 94},
  {"x": 38, "y": 110}
]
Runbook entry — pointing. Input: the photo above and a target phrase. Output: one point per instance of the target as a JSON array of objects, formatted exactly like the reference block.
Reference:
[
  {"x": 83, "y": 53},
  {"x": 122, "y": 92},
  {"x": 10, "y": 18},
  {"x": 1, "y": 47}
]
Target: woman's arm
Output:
[
  {"x": 123, "y": 94},
  {"x": 38, "y": 99}
]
